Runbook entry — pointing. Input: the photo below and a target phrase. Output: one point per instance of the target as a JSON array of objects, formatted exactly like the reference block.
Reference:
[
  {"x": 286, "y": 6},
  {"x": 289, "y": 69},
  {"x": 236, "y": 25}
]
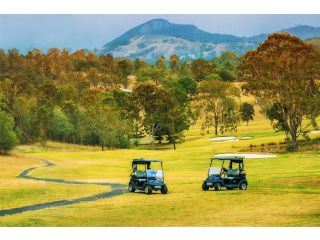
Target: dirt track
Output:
[{"x": 116, "y": 189}]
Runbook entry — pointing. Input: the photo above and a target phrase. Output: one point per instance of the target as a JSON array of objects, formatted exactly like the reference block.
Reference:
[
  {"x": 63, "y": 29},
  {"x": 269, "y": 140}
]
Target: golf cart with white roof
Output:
[
  {"x": 231, "y": 178},
  {"x": 146, "y": 179}
]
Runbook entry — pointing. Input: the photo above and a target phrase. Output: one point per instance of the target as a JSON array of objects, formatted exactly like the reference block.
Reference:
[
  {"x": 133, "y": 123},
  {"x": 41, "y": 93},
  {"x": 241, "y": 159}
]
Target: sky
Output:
[{"x": 26, "y": 32}]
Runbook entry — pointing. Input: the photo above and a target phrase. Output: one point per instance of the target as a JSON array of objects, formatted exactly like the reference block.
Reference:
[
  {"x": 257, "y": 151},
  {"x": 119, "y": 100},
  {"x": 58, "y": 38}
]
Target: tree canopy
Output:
[{"x": 283, "y": 74}]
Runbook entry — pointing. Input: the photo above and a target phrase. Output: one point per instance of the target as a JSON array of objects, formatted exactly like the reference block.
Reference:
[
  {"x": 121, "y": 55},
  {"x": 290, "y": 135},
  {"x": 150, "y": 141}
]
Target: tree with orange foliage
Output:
[{"x": 284, "y": 72}]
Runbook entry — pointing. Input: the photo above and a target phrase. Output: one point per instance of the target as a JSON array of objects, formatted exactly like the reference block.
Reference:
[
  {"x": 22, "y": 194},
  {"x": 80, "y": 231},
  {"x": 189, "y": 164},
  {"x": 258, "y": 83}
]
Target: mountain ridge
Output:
[{"x": 158, "y": 37}]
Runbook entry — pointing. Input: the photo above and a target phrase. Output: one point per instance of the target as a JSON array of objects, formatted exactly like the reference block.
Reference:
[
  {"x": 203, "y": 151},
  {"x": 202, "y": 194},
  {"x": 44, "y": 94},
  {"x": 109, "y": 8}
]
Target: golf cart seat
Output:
[
  {"x": 140, "y": 174},
  {"x": 232, "y": 172}
]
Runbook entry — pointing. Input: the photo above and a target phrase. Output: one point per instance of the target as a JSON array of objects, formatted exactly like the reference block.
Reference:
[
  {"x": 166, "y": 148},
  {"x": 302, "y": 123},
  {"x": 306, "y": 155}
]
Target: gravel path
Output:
[{"x": 116, "y": 189}]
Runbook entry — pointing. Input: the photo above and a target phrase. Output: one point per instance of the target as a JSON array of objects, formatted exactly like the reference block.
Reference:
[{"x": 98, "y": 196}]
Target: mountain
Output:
[{"x": 159, "y": 37}]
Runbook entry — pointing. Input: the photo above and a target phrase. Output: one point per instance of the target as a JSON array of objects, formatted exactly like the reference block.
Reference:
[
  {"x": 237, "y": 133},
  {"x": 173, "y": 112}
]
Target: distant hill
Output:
[
  {"x": 159, "y": 37},
  {"x": 315, "y": 41}
]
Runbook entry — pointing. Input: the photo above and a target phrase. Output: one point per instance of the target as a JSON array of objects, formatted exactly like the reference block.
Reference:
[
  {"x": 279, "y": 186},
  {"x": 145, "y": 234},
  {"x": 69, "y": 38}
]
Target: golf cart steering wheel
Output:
[{"x": 224, "y": 171}]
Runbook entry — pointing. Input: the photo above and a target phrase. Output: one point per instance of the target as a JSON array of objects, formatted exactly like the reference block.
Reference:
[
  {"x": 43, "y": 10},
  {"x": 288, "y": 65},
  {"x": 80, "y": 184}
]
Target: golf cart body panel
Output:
[
  {"x": 233, "y": 177},
  {"x": 147, "y": 177}
]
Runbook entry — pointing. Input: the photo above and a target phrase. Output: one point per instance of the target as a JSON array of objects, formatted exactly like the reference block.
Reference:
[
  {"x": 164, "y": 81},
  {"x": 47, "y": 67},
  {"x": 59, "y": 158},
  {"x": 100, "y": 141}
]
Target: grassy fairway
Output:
[{"x": 283, "y": 191}]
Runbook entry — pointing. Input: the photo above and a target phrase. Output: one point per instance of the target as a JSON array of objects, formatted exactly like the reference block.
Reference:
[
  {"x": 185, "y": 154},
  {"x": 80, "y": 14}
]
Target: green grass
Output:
[{"x": 283, "y": 191}]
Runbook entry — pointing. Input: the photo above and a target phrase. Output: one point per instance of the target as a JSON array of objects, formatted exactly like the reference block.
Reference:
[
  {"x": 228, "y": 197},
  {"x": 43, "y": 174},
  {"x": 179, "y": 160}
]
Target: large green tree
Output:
[
  {"x": 160, "y": 112},
  {"x": 218, "y": 107}
]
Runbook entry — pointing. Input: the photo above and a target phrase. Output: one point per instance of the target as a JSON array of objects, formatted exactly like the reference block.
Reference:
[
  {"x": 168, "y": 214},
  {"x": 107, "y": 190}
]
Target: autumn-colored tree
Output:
[
  {"x": 161, "y": 63},
  {"x": 201, "y": 69},
  {"x": 284, "y": 71},
  {"x": 139, "y": 64},
  {"x": 125, "y": 68}
]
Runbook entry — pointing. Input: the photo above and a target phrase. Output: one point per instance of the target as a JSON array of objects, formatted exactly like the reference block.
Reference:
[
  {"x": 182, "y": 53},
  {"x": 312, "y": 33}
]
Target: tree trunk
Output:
[
  {"x": 216, "y": 125},
  {"x": 102, "y": 148},
  {"x": 174, "y": 143},
  {"x": 294, "y": 140},
  {"x": 247, "y": 122}
]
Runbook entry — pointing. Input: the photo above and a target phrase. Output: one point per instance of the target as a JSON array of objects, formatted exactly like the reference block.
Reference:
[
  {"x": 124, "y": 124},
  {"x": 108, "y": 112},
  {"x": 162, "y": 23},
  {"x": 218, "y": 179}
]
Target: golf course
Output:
[
  {"x": 61, "y": 184},
  {"x": 88, "y": 138}
]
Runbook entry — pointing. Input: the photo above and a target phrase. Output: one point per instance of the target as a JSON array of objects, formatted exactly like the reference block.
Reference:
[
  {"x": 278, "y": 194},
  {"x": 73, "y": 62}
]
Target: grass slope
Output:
[{"x": 283, "y": 191}]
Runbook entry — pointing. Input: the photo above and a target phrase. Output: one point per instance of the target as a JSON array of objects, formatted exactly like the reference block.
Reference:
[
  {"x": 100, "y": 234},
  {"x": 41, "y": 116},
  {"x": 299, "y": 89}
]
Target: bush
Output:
[{"x": 8, "y": 137}]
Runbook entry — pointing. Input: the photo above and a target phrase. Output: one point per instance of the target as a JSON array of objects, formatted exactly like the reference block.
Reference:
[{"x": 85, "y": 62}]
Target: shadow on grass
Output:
[{"x": 116, "y": 189}]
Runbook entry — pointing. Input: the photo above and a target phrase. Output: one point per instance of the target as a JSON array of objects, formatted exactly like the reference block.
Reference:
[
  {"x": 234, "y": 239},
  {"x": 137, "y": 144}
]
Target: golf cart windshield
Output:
[
  {"x": 155, "y": 174},
  {"x": 230, "y": 166},
  {"x": 214, "y": 171}
]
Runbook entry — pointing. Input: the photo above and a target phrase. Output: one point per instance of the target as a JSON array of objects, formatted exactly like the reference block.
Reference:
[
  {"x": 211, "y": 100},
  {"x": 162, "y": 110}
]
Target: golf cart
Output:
[
  {"x": 233, "y": 177},
  {"x": 146, "y": 179}
]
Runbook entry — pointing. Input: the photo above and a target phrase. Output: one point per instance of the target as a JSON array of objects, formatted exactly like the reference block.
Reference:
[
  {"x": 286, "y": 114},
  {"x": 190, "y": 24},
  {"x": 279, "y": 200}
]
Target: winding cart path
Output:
[{"x": 116, "y": 189}]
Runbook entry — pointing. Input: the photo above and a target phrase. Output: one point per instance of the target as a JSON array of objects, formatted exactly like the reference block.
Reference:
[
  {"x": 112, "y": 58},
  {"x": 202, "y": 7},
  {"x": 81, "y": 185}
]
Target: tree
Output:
[
  {"x": 226, "y": 75},
  {"x": 174, "y": 122},
  {"x": 284, "y": 72},
  {"x": 8, "y": 137},
  {"x": 140, "y": 63},
  {"x": 149, "y": 101},
  {"x": 247, "y": 112},
  {"x": 188, "y": 84},
  {"x": 227, "y": 60},
  {"x": 218, "y": 106},
  {"x": 161, "y": 63},
  {"x": 43, "y": 111},
  {"x": 201, "y": 69},
  {"x": 174, "y": 63},
  {"x": 61, "y": 126},
  {"x": 155, "y": 74},
  {"x": 125, "y": 68},
  {"x": 185, "y": 69},
  {"x": 104, "y": 123},
  {"x": 24, "y": 119},
  {"x": 160, "y": 112},
  {"x": 274, "y": 113}
]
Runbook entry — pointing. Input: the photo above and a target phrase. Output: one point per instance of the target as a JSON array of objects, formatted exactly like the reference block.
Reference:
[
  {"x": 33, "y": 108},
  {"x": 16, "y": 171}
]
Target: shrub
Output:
[{"x": 8, "y": 137}]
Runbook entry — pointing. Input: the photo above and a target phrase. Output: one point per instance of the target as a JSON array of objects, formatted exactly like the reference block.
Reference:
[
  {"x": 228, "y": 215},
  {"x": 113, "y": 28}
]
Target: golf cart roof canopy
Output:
[
  {"x": 237, "y": 159},
  {"x": 143, "y": 161}
]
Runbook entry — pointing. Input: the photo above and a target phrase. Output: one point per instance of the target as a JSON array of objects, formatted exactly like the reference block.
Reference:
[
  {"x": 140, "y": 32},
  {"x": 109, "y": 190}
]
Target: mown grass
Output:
[{"x": 283, "y": 191}]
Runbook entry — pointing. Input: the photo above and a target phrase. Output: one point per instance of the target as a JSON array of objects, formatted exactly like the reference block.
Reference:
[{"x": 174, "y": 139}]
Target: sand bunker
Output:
[
  {"x": 222, "y": 138},
  {"x": 245, "y": 137},
  {"x": 228, "y": 139},
  {"x": 246, "y": 155},
  {"x": 232, "y": 140}
]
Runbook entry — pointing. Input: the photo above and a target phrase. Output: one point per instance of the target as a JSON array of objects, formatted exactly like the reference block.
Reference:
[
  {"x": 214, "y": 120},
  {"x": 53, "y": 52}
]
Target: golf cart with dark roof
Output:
[
  {"x": 146, "y": 179},
  {"x": 233, "y": 177}
]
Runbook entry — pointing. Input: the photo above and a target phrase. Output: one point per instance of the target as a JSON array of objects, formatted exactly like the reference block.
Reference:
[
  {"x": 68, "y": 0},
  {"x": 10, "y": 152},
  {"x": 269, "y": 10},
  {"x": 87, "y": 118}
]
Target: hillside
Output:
[
  {"x": 315, "y": 41},
  {"x": 159, "y": 37}
]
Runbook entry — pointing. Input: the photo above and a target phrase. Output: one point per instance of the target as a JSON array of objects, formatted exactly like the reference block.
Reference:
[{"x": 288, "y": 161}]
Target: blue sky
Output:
[{"x": 25, "y": 32}]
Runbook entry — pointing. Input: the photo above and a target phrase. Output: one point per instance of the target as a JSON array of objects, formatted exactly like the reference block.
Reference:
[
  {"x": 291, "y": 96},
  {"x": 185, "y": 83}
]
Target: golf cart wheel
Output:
[
  {"x": 205, "y": 187},
  {"x": 243, "y": 186},
  {"x": 164, "y": 190},
  {"x": 148, "y": 190},
  {"x": 217, "y": 186},
  {"x": 131, "y": 188}
]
